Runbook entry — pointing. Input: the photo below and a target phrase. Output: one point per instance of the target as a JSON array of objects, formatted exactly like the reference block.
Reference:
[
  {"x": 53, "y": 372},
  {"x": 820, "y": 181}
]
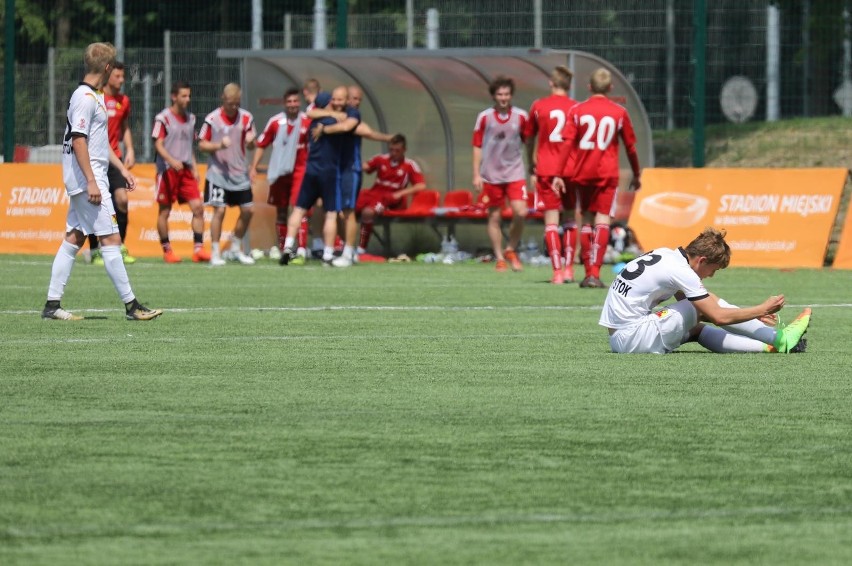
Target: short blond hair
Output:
[
  {"x": 601, "y": 81},
  {"x": 561, "y": 77},
  {"x": 97, "y": 56},
  {"x": 711, "y": 244},
  {"x": 231, "y": 89}
]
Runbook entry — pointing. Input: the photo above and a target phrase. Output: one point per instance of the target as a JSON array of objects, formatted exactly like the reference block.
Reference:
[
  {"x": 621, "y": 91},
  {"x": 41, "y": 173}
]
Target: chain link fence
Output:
[{"x": 650, "y": 41}]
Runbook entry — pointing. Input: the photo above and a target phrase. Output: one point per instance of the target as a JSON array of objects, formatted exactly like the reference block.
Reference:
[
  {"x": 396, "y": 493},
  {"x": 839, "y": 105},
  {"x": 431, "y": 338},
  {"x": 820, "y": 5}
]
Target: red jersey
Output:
[
  {"x": 118, "y": 110},
  {"x": 548, "y": 116},
  {"x": 393, "y": 176},
  {"x": 591, "y": 136}
]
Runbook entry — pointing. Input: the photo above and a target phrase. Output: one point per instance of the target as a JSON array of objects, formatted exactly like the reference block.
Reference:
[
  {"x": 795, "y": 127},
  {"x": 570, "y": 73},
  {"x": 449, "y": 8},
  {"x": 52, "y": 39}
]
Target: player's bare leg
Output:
[
  {"x": 239, "y": 233},
  {"x": 217, "y": 258},
  {"x": 516, "y": 230},
  {"x": 329, "y": 233},
  {"x": 350, "y": 229},
  {"x": 495, "y": 235},
  {"x": 198, "y": 253},
  {"x": 169, "y": 256}
]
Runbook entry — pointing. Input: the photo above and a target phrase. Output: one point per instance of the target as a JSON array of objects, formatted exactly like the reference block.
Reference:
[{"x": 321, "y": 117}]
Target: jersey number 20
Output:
[{"x": 598, "y": 135}]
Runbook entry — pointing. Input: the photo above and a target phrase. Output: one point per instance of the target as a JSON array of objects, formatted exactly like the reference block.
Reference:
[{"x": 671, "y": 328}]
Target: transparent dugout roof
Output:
[{"x": 433, "y": 97}]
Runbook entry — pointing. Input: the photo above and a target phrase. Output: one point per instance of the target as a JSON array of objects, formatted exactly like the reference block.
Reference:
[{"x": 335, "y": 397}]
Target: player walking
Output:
[
  {"x": 86, "y": 156},
  {"x": 226, "y": 134},
  {"x": 548, "y": 116},
  {"x": 590, "y": 161},
  {"x": 498, "y": 168},
  {"x": 177, "y": 171}
]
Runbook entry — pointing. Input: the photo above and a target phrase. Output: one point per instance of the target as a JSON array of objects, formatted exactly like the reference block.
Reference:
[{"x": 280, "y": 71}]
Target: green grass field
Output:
[{"x": 410, "y": 414}]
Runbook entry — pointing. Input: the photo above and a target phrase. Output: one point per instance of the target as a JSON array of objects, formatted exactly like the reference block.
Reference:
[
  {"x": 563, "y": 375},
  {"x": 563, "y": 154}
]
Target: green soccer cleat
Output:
[
  {"x": 126, "y": 257},
  {"x": 787, "y": 339},
  {"x": 97, "y": 258}
]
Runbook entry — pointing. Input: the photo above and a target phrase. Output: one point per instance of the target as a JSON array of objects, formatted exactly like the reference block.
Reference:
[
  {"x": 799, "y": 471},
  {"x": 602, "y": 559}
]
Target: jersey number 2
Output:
[{"x": 556, "y": 133}]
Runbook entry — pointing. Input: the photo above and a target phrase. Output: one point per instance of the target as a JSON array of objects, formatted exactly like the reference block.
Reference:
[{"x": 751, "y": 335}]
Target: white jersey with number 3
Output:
[{"x": 647, "y": 281}]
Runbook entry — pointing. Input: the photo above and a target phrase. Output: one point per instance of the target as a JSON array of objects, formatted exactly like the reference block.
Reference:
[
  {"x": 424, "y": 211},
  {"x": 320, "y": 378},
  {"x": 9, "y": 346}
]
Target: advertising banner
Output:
[
  {"x": 34, "y": 206},
  {"x": 773, "y": 217},
  {"x": 843, "y": 257}
]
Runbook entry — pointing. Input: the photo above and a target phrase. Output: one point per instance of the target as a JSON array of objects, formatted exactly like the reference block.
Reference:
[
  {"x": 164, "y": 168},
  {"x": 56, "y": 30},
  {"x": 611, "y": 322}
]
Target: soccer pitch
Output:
[{"x": 410, "y": 414}]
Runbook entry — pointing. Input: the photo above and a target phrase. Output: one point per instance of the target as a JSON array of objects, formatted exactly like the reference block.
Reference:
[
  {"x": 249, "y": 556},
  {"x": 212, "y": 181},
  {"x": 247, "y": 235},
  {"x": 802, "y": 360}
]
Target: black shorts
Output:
[
  {"x": 217, "y": 196},
  {"x": 116, "y": 179}
]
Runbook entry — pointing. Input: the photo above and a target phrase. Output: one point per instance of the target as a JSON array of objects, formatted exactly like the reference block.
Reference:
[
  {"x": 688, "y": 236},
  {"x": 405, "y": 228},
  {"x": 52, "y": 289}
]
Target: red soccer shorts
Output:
[
  {"x": 551, "y": 200},
  {"x": 180, "y": 186},
  {"x": 600, "y": 200},
  {"x": 280, "y": 192},
  {"x": 376, "y": 199},
  {"x": 495, "y": 195}
]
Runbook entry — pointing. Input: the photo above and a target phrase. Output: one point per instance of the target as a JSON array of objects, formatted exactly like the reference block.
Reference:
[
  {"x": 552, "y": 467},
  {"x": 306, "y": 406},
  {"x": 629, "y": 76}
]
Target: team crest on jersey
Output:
[
  {"x": 663, "y": 313},
  {"x": 82, "y": 124}
]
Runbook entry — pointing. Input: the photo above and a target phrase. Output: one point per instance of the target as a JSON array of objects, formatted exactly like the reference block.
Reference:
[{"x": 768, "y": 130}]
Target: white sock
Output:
[
  {"x": 117, "y": 272},
  {"x": 61, "y": 271},
  {"x": 360, "y": 250},
  {"x": 236, "y": 244},
  {"x": 723, "y": 342},
  {"x": 289, "y": 241},
  {"x": 327, "y": 253},
  {"x": 214, "y": 249},
  {"x": 347, "y": 251},
  {"x": 751, "y": 328}
]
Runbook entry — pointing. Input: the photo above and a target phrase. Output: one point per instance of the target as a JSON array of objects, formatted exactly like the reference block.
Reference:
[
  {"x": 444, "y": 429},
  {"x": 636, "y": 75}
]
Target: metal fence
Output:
[{"x": 650, "y": 41}]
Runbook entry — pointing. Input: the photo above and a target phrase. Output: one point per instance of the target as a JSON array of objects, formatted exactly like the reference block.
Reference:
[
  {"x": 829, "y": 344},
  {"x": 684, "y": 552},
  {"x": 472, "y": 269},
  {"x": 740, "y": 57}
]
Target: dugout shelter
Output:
[{"x": 432, "y": 97}]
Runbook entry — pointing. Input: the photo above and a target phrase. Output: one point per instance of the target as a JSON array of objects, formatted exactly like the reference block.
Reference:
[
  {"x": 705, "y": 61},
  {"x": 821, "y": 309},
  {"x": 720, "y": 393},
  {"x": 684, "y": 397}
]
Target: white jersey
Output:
[
  {"x": 87, "y": 115},
  {"x": 501, "y": 138},
  {"x": 646, "y": 282}
]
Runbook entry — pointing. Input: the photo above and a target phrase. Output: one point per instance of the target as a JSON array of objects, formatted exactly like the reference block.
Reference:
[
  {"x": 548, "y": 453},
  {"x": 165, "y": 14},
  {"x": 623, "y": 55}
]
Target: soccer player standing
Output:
[
  {"x": 590, "y": 161},
  {"x": 544, "y": 142},
  {"x": 287, "y": 133},
  {"x": 498, "y": 168},
  {"x": 118, "y": 128},
  {"x": 86, "y": 156},
  {"x": 177, "y": 171},
  {"x": 226, "y": 134}
]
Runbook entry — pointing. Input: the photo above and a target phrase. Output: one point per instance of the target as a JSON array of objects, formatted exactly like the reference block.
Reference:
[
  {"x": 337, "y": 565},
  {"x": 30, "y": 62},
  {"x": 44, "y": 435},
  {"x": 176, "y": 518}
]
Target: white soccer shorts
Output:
[
  {"x": 660, "y": 332},
  {"x": 89, "y": 218}
]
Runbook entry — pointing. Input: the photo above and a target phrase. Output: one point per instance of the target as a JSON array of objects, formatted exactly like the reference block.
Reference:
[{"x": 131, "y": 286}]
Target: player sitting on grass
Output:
[{"x": 635, "y": 327}]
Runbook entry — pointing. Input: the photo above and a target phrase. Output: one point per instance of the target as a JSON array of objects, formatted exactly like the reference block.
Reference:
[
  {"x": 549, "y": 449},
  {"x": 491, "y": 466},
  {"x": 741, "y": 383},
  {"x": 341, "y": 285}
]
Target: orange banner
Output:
[
  {"x": 774, "y": 217},
  {"x": 34, "y": 206},
  {"x": 843, "y": 257}
]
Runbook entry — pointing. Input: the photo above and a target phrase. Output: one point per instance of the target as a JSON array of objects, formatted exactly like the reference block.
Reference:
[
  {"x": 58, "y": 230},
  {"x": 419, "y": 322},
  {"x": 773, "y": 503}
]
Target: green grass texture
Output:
[{"x": 410, "y": 414}]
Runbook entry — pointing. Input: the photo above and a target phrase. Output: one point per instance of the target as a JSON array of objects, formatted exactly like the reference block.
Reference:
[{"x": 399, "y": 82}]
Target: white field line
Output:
[
  {"x": 488, "y": 519},
  {"x": 399, "y": 308}
]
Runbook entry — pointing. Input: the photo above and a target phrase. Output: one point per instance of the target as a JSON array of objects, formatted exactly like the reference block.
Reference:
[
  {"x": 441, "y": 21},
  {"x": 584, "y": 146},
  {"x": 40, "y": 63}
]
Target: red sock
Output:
[
  {"x": 599, "y": 243},
  {"x": 554, "y": 248},
  {"x": 281, "y": 230},
  {"x": 586, "y": 246},
  {"x": 302, "y": 234},
  {"x": 366, "y": 232},
  {"x": 338, "y": 243},
  {"x": 569, "y": 241}
]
